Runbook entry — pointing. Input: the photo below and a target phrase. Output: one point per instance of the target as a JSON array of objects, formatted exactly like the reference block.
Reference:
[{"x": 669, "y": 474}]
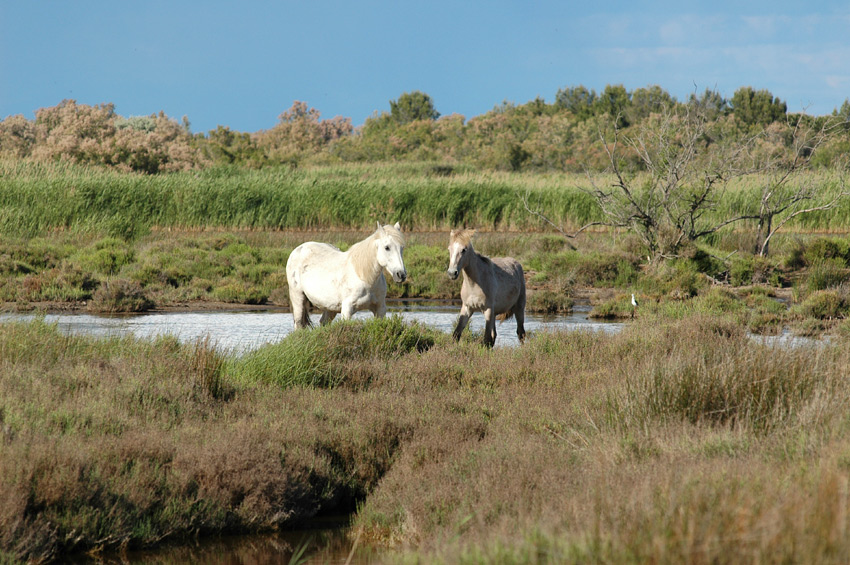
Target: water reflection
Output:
[
  {"x": 243, "y": 331},
  {"x": 309, "y": 547}
]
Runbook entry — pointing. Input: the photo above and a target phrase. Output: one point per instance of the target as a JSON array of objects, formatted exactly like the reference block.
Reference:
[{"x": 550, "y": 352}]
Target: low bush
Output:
[
  {"x": 239, "y": 292},
  {"x": 591, "y": 269},
  {"x": 822, "y": 305},
  {"x": 105, "y": 257},
  {"x": 319, "y": 357},
  {"x": 618, "y": 307},
  {"x": 678, "y": 279},
  {"x": 824, "y": 248},
  {"x": 549, "y": 301},
  {"x": 119, "y": 296}
]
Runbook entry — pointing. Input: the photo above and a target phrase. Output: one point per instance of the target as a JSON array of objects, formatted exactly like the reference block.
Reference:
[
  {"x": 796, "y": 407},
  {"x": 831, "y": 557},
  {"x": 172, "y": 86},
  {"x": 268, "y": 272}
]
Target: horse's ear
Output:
[
  {"x": 397, "y": 226},
  {"x": 380, "y": 228}
]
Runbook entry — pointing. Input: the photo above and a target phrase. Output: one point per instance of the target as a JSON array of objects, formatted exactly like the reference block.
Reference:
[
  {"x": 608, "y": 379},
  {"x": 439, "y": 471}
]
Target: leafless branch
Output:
[{"x": 558, "y": 228}]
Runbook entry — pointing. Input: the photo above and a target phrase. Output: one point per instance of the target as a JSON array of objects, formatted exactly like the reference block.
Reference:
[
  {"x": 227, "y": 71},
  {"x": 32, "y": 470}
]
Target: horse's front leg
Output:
[
  {"x": 461, "y": 322},
  {"x": 347, "y": 310},
  {"x": 489, "y": 327},
  {"x": 379, "y": 309}
]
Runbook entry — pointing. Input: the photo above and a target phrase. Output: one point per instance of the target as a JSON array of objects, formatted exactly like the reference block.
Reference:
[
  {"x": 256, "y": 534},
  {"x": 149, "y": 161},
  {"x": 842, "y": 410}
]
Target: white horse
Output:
[
  {"x": 338, "y": 282},
  {"x": 494, "y": 286}
]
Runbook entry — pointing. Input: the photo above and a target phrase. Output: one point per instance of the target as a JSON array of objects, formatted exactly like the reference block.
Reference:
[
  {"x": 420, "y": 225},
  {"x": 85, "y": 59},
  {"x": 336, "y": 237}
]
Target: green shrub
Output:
[
  {"x": 678, "y": 279},
  {"x": 823, "y": 304},
  {"x": 619, "y": 307},
  {"x": 105, "y": 257},
  {"x": 823, "y": 248},
  {"x": 765, "y": 323},
  {"x": 317, "y": 357},
  {"x": 718, "y": 301},
  {"x": 742, "y": 271},
  {"x": 240, "y": 292},
  {"x": 592, "y": 269},
  {"x": 706, "y": 263}
]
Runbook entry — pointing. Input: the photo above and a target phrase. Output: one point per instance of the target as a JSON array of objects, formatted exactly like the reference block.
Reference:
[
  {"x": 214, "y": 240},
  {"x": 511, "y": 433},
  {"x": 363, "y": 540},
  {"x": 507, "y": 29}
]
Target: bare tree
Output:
[
  {"x": 785, "y": 193},
  {"x": 685, "y": 172},
  {"x": 687, "y": 168}
]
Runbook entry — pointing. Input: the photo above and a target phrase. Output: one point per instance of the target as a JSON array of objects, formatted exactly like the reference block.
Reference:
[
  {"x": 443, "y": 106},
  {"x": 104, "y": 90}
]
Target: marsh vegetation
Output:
[
  {"x": 675, "y": 440},
  {"x": 679, "y": 439}
]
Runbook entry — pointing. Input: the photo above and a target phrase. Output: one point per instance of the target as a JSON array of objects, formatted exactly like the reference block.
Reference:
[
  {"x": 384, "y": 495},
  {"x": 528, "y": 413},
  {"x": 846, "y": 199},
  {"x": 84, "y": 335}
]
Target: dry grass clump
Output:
[
  {"x": 123, "y": 442},
  {"x": 120, "y": 295},
  {"x": 680, "y": 443}
]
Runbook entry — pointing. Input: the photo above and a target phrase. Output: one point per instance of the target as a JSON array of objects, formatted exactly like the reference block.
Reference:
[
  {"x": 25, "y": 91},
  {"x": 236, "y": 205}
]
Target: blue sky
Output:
[{"x": 242, "y": 63}]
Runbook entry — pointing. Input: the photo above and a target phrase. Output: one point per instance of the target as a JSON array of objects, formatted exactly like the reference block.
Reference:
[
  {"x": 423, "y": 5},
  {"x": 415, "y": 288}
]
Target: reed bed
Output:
[{"x": 38, "y": 197}]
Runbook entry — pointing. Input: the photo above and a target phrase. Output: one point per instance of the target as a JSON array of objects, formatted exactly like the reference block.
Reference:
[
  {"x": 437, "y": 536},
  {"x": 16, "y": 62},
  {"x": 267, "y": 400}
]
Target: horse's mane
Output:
[
  {"x": 363, "y": 258},
  {"x": 462, "y": 236}
]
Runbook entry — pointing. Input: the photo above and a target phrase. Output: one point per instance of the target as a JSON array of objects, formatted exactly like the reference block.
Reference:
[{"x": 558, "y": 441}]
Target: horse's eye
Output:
[
  {"x": 462, "y": 251},
  {"x": 387, "y": 247}
]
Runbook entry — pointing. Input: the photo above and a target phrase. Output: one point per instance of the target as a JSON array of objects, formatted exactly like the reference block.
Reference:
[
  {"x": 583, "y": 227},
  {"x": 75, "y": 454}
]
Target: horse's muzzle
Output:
[
  {"x": 400, "y": 276},
  {"x": 452, "y": 273}
]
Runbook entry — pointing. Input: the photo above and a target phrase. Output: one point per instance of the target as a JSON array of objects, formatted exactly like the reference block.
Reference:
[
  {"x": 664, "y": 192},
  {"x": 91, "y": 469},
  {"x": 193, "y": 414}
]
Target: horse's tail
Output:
[{"x": 506, "y": 316}]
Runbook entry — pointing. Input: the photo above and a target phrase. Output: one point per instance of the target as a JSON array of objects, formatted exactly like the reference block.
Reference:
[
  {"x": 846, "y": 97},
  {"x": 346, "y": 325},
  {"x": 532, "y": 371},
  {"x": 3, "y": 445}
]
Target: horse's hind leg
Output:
[
  {"x": 327, "y": 317},
  {"x": 300, "y": 308},
  {"x": 519, "y": 314}
]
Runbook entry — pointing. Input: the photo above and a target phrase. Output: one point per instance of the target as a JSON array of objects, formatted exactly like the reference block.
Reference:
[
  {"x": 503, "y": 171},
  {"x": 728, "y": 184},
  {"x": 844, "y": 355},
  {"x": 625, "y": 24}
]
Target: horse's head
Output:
[
  {"x": 460, "y": 250},
  {"x": 390, "y": 247}
]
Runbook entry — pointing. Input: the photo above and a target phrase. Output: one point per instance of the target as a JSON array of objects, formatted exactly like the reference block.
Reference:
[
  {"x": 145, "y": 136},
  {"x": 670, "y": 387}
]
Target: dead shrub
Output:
[{"x": 120, "y": 296}]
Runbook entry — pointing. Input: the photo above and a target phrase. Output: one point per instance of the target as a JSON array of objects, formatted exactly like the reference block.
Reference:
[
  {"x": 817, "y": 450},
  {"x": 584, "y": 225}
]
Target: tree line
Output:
[{"x": 571, "y": 134}]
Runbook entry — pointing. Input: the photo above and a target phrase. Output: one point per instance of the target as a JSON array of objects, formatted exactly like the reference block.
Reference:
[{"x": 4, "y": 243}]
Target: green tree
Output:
[
  {"x": 843, "y": 114},
  {"x": 757, "y": 107},
  {"x": 224, "y": 145},
  {"x": 578, "y": 100},
  {"x": 412, "y": 106},
  {"x": 712, "y": 103},
  {"x": 647, "y": 101},
  {"x": 614, "y": 101}
]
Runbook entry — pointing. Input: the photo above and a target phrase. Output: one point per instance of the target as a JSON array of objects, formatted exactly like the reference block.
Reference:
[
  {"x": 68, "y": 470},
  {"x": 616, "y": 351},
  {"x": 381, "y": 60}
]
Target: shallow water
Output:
[{"x": 242, "y": 331}]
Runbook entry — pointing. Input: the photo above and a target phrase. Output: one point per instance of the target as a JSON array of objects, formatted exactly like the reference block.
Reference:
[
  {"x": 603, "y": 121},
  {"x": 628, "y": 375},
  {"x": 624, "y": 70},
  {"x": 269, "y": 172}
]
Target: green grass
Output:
[
  {"x": 38, "y": 197},
  {"x": 321, "y": 357}
]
